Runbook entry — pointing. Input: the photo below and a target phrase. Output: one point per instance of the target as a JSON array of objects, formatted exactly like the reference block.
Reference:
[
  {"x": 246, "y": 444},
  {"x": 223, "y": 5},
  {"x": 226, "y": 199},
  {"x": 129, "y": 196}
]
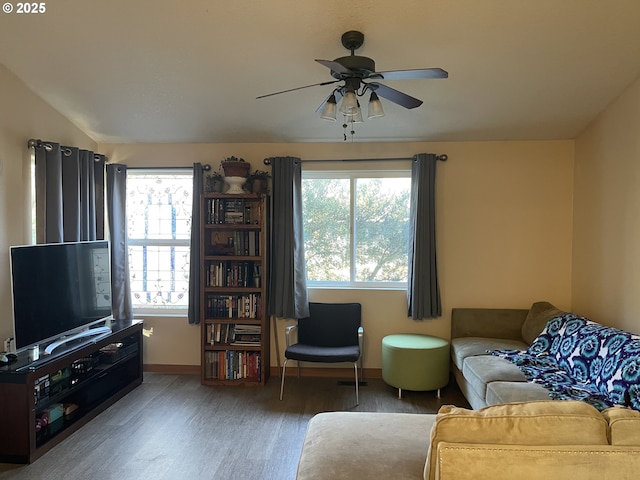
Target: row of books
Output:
[
  {"x": 239, "y": 242},
  {"x": 234, "y": 334},
  {"x": 233, "y": 274},
  {"x": 231, "y": 211},
  {"x": 233, "y": 306},
  {"x": 232, "y": 365},
  {"x": 246, "y": 242}
]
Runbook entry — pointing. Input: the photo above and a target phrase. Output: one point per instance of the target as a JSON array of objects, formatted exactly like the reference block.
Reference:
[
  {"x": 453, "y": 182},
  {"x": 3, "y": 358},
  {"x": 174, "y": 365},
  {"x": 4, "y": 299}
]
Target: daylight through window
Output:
[
  {"x": 159, "y": 206},
  {"x": 356, "y": 228}
]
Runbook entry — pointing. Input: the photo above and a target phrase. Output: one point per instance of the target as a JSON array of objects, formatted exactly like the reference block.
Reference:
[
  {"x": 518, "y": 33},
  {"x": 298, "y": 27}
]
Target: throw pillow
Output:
[{"x": 539, "y": 315}]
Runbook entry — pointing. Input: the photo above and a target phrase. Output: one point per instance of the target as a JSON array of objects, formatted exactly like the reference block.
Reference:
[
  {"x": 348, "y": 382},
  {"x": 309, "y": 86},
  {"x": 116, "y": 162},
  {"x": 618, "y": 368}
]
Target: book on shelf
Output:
[
  {"x": 233, "y": 306},
  {"x": 230, "y": 274},
  {"x": 233, "y": 365},
  {"x": 233, "y": 334},
  {"x": 234, "y": 211},
  {"x": 228, "y": 211},
  {"x": 247, "y": 335}
]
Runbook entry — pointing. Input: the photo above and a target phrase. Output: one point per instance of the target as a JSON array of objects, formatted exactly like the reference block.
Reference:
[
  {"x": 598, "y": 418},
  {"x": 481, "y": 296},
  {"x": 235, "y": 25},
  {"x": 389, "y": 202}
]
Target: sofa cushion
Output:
[
  {"x": 347, "y": 445},
  {"x": 537, "y": 318},
  {"x": 624, "y": 426},
  {"x": 464, "y": 347},
  {"x": 527, "y": 423},
  {"x": 483, "y": 369},
  {"x": 510, "y": 392}
]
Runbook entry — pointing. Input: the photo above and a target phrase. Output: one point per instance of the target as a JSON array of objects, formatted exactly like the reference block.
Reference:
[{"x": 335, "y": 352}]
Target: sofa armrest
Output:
[
  {"x": 488, "y": 322},
  {"x": 468, "y": 461}
]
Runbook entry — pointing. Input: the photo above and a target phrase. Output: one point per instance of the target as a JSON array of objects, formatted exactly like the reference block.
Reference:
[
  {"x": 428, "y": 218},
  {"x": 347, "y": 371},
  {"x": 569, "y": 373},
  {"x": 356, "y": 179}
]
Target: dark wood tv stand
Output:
[{"x": 91, "y": 376}]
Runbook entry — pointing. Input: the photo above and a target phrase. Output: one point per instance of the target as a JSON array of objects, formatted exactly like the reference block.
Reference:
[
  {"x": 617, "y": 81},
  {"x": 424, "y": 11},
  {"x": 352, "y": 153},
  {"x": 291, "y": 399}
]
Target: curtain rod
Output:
[
  {"x": 442, "y": 158},
  {"x": 66, "y": 151},
  {"x": 206, "y": 167}
]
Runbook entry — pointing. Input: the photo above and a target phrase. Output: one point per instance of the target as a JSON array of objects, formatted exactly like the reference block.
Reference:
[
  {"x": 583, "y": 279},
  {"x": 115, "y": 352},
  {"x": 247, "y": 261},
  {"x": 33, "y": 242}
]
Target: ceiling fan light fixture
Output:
[
  {"x": 375, "y": 106},
  {"x": 328, "y": 111},
  {"x": 349, "y": 103},
  {"x": 359, "y": 74}
]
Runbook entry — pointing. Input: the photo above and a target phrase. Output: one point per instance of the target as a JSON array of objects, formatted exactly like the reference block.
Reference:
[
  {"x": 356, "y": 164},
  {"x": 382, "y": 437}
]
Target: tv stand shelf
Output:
[{"x": 92, "y": 377}]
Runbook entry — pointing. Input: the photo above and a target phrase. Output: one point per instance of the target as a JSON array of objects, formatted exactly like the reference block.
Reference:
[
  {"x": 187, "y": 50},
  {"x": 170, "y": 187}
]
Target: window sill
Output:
[
  {"x": 162, "y": 314},
  {"x": 356, "y": 287}
]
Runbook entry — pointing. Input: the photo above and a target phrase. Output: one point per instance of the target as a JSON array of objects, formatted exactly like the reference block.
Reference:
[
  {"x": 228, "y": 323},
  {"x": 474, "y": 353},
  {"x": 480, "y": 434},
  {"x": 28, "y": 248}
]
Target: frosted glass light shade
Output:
[
  {"x": 349, "y": 103},
  {"x": 375, "y": 106},
  {"x": 328, "y": 111}
]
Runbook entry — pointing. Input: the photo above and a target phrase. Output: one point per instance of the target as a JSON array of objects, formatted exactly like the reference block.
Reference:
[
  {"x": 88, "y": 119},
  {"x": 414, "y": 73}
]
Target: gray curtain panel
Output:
[
  {"x": 195, "y": 259},
  {"x": 117, "y": 212},
  {"x": 288, "y": 296},
  {"x": 423, "y": 293},
  {"x": 69, "y": 194}
]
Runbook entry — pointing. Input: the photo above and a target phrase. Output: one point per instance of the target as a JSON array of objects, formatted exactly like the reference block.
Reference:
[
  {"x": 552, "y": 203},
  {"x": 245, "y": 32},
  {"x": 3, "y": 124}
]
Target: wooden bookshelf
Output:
[{"x": 234, "y": 321}]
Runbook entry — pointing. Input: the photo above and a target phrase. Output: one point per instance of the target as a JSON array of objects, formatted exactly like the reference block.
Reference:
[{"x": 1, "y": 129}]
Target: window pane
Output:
[
  {"x": 326, "y": 229},
  {"x": 356, "y": 227},
  {"x": 159, "y": 276},
  {"x": 159, "y": 227},
  {"x": 159, "y": 206},
  {"x": 382, "y": 229}
]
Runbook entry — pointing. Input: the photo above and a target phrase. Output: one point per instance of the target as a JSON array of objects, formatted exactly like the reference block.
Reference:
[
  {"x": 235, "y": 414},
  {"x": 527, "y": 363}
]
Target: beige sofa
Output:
[{"x": 532, "y": 440}]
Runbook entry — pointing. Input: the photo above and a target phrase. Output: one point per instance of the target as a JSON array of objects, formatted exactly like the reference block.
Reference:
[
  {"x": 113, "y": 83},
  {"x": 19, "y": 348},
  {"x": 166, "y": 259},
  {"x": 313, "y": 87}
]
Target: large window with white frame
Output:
[
  {"x": 356, "y": 228},
  {"x": 159, "y": 203}
]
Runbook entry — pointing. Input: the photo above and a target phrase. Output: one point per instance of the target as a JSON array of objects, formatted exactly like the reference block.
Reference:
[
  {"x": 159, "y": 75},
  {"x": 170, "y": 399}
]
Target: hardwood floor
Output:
[{"x": 172, "y": 428}]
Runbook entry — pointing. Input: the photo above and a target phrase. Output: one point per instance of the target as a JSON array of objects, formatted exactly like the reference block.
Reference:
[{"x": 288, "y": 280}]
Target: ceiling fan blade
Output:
[
  {"x": 299, "y": 88},
  {"x": 335, "y": 66},
  {"x": 413, "y": 74},
  {"x": 395, "y": 96},
  {"x": 338, "y": 95}
]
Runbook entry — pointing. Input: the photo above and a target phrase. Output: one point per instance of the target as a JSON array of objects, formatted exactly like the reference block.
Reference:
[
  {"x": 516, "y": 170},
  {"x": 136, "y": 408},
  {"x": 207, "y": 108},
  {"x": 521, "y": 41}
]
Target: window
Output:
[
  {"x": 159, "y": 206},
  {"x": 356, "y": 228}
]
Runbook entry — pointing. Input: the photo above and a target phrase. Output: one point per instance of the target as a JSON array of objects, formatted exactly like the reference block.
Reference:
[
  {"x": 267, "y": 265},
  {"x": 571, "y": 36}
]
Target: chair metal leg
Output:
[
  {"x": 355, "y": 367},
  {"x": 284, "y": 365}
]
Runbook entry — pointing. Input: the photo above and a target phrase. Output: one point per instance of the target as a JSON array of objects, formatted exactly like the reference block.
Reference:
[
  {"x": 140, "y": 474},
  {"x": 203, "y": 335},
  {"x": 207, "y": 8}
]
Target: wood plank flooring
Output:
[{"x": 173, "y": 428}]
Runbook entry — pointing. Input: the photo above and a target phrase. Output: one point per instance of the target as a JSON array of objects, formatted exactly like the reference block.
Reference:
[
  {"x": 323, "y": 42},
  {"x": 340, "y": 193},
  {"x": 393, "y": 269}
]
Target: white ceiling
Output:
[{"x": 189, "y": 71}]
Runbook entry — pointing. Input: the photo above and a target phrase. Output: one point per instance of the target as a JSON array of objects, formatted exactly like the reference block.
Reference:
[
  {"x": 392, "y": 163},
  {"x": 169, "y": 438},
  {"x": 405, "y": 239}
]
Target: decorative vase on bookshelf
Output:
[{"x": 236, "y": 171}]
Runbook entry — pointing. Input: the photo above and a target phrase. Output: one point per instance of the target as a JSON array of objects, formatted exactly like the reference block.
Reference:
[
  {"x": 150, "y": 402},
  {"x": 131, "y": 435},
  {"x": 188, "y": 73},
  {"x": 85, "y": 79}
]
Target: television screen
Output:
[{"x": 58, "y": 288}]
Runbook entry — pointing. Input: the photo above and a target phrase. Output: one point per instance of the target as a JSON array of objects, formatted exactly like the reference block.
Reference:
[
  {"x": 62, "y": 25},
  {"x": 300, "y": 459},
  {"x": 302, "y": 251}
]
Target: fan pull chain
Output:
[{"x": 352, "y": 132}]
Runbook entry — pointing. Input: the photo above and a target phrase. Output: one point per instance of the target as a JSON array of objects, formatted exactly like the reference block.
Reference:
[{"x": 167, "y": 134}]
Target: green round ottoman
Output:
[{"x": 415, "y": 362}]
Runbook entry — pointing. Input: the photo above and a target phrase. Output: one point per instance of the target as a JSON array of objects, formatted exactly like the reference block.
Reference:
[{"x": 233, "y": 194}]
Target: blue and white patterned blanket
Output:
[{"x": 577, "y": 359}]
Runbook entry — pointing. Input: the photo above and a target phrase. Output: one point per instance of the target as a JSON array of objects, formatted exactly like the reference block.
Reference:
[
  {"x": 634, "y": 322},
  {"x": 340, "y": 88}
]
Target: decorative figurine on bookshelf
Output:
[
  {"x": 214, "y": 183},
  {"x": 236, "y": 171},
  {"x": 258, "y": 182}
]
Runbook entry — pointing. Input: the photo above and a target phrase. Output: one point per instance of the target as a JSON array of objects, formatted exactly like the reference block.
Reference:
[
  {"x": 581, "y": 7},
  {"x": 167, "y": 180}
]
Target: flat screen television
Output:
[{"x": 59, "y": 290}]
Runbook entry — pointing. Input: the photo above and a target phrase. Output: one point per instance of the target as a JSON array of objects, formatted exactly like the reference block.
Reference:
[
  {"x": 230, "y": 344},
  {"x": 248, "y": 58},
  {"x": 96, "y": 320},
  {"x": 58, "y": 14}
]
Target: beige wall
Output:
[
  {"x": 606, "y": 245},
  {"x": 23, "y": 116},
  {"x": 504, "y": 215}
]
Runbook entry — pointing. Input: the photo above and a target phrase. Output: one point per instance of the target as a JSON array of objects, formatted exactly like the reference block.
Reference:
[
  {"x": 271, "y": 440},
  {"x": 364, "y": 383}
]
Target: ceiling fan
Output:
[{"x": 358, "y": 75}]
